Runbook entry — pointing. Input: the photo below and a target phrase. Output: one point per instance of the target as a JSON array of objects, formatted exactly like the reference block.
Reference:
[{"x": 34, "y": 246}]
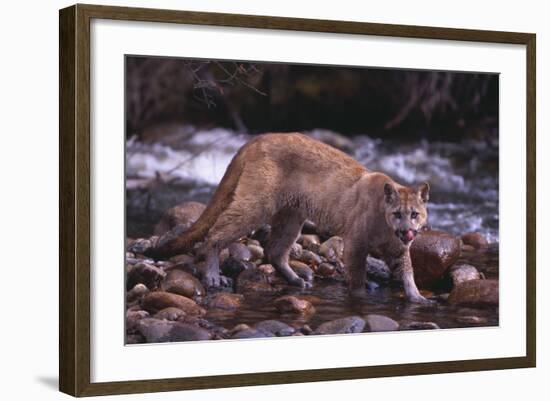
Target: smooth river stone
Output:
[
  {"x": 156, "y": 301},
  {"x": 345, "y": 325}
]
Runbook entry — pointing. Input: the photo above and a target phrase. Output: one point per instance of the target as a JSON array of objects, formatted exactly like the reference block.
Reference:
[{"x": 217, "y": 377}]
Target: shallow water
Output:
[{"x": 332, "y": 301}]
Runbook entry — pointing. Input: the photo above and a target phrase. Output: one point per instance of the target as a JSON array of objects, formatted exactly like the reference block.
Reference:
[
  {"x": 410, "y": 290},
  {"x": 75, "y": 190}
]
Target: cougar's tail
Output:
[{"x": 219, "y": 202}]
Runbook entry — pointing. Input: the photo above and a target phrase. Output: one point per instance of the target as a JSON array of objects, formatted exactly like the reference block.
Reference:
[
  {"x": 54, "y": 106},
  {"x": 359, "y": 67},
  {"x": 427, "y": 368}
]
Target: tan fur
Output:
[{"x": 284, "y": 179}]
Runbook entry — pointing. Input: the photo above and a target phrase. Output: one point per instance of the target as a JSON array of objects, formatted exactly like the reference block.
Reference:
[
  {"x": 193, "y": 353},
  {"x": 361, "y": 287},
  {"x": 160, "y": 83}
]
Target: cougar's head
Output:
[{"x": 405, "y": 210}]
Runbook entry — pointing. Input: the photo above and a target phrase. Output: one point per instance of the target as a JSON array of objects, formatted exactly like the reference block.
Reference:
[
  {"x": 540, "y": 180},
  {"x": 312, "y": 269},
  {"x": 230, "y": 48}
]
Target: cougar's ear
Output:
[
  {"x": 424, "y": 191},
  {"x": 390, "y": 193}
]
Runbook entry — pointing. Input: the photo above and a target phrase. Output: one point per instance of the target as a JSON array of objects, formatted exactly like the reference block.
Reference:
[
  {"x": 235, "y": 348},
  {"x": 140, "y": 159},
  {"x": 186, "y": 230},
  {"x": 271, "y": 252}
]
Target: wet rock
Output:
[
  {"x": 468, "y": 248},
  {"x": 251, "y": 333},
  {"x": 377, "y": 270},
  {"x": 291, "y": 304},
  {"x": 471, "y": 320},
  {"x": 182, "y": 283},
  {"x": 326, "y": 270},
  {"x": 146, "y": 274},
  {"x": 141, "y": 246},
  {"x": 301, "y": 269},
  {"x": 306, "y": 329},
  {"x": 309, "y": 227},
  {"x": 250, "y": 241},
  {"x": 170, "y": 313},
  {"x": 239, "y": 251},
  {"x": 351, "y": 324},
  {"x": 239, "y": 327},
  {"x": 156, "y": 301},
  {"x": 275, "y": 327},
  {"x": 432, "y": 253},
  {"x": 296, "y": 251},
  {"x": 418, "y": 326},
  {"x": 137, "y": 292},
  {"x": 134, "y": 339},
  {"x": 262, "y": 234},
  {"x": 462, "y": 272},
  {"x": 158, "y": 331},
  {"x": 155, "y": 330},
  {"x": 475, "y": 293},
  {"x": 376, "y": 323},
  {"x": 188, "y": 332},
  {"x": 133, "y": 317},
  {"x": 332, "y": 249},
  {"x": 226, "y": 301},
  {"x": 232, "y": 267},
  {"x": 475, "y": 240},
  {"x": 267, "y": 268},
  {"x": 256, "y": 251},
  {"x": 183, "y": 215},
  {"x": 254, "y": 279},
  {"x": 310, "y": 242},
  {"x": 310, "y": 258}
]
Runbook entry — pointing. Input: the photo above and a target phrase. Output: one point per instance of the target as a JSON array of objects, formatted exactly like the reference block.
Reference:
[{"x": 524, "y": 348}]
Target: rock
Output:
[
  {"x": 326, "y": 270},
  {"x": 140, "y": 245},
  {"x": 144, "y": 273},
  {"x": 188, "y": 332},
  {"x": 239, "y": 327},
  {"x": 309, "y": 227},
  {"x": 418, "y": 326},
  {"x": 267, "y": 268},
  {"x": 291, "y": 304},
  {"x": 183, "y": 283},
  {"x": 332, "y": 249},
  {"x": 134, "y": 339},
  {"x": 296, "y": 251},
  {"x": 155, "y": 330},
  {"x": 376, "y": 323},
  {"x": 275, "y": 327},
  {"x": 232, "y": 267},
  {"x": 377, "y": 270},
  {"x": 302, "y": 270},
  {"x": 158, "y": 331},
  {"x": 183, "y": 215},
  {"x": 432, "y": 253},
  {"x": 239, "y": 252},
  {"x": 475, "y": 240},
  {"x": 137, "y": 292},
  {"x": 310, "y": 242},
  {"x": 305, "y": 329},
  {"x": 257, "y": 251},
  {"x": 170, "y": 313},
  {"x": 310, "y": 258},
  {"x": 473, "y": 320},
  {"x": 156, "y": 301},
  {"x": 468, "y": 248},
  {"x": 475, "y": 293},
  {"x": 226, "y": 301},
  {"x": 254, "y": 279},
  {"x": 462, "y": 272},
  {"x": 133, "y": 317},
  {"x": 251, "y": 333},
  {"x": 345, "y": 325},
  {"x": 250, "y": 241},
  {"x": 262, "y": 234}
]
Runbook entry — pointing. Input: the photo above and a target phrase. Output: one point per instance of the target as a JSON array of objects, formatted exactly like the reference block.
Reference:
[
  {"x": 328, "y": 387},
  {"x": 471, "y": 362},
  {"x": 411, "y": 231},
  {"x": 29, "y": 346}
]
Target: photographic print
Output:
[{"x": 268, "y": 199}]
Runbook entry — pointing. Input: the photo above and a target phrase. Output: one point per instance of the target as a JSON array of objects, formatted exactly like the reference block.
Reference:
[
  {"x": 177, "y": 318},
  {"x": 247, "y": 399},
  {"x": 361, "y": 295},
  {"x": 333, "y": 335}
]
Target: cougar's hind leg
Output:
[
  {"x": 286, "y": 226},
  {"x": 238, "y": 220}
]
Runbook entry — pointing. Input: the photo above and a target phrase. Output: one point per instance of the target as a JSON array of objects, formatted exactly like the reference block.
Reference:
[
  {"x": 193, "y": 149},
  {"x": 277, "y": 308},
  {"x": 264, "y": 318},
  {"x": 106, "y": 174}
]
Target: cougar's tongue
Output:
[{"x": 409, "y": 235}]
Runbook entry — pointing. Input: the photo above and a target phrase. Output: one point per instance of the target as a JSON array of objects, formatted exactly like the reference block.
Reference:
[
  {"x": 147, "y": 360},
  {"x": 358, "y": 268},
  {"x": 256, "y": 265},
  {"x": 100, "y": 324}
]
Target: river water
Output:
[{"x": 463, "y": 197}]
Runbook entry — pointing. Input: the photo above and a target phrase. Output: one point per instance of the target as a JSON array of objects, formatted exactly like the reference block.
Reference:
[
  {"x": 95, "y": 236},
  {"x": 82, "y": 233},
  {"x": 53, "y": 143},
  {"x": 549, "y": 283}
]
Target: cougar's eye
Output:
[
  {"x": 397, "y": 215},
  {"x": 414, "y": 215}
]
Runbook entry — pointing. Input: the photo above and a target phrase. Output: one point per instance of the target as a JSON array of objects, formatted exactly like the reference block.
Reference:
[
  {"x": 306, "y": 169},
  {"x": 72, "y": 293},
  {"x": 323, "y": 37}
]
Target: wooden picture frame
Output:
[{"x": 74, "y": 204}]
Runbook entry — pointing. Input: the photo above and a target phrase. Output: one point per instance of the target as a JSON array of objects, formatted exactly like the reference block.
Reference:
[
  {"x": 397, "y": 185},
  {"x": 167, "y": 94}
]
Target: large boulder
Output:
[
  {"x": 183, "y": 215},
  {"x": 432, "y": 253},
  {"x": 475, "y": 293}
]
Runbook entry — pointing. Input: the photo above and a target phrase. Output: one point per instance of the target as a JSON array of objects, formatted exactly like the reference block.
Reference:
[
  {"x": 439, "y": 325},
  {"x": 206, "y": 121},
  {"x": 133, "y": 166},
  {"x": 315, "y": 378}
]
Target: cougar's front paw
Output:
[
  {"x": 419, "y": 299},
  {"x": 300, "y": 282},
  {"x": 210, "y": 280}
]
